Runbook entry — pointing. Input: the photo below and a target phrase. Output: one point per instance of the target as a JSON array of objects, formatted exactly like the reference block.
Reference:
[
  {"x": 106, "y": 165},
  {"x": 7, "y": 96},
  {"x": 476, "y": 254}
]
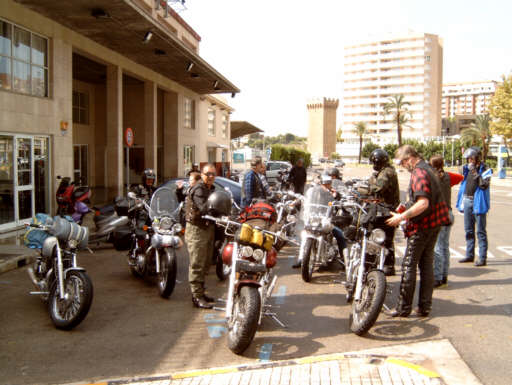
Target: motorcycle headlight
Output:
[
  {"x": 315, "y": 222},
  {"x": 258, "y": 254},
  {"x": 378, "y": 236},
  {"x": 291, "y": 218},
  {"x": 72, "y": 243},
  {"x": 177, "y": 228},
  {"x": 326, "y": 224},
  {"x": 165, "y": 223},
  {"x": 247, "y": 251}
]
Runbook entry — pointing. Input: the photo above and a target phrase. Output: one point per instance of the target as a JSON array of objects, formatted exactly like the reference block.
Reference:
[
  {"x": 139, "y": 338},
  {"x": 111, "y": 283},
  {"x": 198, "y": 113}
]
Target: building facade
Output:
[
  {"x": 378, "y": 68},
  {"x": 469, "y": 98},
  {"x": 74, "y": 78},
  {"x": 322, "y": 127}
]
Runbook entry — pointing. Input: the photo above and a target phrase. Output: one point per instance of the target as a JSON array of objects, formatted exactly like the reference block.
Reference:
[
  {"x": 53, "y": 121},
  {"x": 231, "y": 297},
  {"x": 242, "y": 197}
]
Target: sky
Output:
[{"x": 283, "y": 53}]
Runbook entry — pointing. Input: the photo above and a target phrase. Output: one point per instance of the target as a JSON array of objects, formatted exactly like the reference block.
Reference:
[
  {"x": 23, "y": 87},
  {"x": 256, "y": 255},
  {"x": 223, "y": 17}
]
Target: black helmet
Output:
[
  {"x": 219, "y": 203},
  {"x": 334, "y": 172},
  {"x": 149, "y": 174},
  {"x": 472, "y": 152},
  {"x": 379, "y": 158}
]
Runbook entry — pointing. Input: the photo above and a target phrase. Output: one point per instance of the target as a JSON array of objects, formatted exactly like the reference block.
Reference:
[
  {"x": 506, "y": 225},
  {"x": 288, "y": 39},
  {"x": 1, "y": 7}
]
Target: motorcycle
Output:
[
  {"x": 72, "y": 198},
  {"x": 318, "y": 247},
  {"x": 365, "y": 280},
  {"x": 287, "y": 209},
  {"x": 153, "y": 248},
  {"x": 60, "y": 282},
  {"x": 251, "y": 256},
  {"x": 107, "y": 220}
]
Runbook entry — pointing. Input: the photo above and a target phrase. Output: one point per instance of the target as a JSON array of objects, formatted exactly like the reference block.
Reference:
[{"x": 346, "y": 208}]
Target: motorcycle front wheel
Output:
[
  {"x": 308, "y": 260},
  {"x": 366, "y": 310},
  {"x": 167, "y": 275},
  {"x": 244, "y": 319},
  {"x": 69, "y": 312}
]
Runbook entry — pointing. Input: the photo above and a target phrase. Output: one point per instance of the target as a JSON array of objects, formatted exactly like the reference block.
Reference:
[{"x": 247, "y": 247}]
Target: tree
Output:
[
  {"x": 500, "y": 109},
  {"x": 338, "y": 136},
  {"x": 478, "y": 132},
  {"x": 361, "y": 129},
  {"x": 397, "y": 106},
  {"x": 368, "y": 149}
]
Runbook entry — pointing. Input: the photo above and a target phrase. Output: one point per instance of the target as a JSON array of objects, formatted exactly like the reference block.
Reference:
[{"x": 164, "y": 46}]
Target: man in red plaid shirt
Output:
[{"x": 427, "y": 211}]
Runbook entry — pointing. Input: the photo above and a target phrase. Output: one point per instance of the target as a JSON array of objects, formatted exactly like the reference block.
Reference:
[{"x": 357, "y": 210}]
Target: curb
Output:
[
  {"x": 16, "y": 262},
  {"x": 375, "y": 359}
]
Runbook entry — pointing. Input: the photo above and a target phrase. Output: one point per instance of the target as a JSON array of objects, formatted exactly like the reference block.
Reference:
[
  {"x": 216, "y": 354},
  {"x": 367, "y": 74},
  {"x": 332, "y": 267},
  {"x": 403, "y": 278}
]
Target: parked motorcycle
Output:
[
  {"x": 107, "y": 220},
  {"x": 153, "y": 249},
  {"x": 60, "y": 282},
  {"x": 251, "y": 256},
  {"x": 365, "y": 280},
  {"x": 71, "y": 198},
  {"x": 287, "y": 208},
  {"x": 318, "y": 246}
]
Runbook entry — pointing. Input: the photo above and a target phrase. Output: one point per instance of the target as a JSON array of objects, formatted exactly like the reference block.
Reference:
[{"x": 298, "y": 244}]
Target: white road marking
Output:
[
  {"x": 489, "y": 254},
  {"x": 455, "y": 254},
  {"x": 505, "y": 249}
]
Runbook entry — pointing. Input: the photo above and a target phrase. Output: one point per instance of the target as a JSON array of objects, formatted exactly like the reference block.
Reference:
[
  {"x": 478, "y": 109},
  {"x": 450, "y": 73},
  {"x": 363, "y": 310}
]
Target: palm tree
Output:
[
  {"x": 398, "y": 108},
  {"x": 361, "y": 129},
  {"x": 479, "y": 130},
  {"x": 338, "y": 136}
]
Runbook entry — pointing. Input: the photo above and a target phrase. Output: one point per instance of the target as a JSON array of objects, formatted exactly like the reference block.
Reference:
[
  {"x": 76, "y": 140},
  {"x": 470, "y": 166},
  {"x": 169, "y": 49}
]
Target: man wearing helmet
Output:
[
  {"x": 199, "y": 236},
  {"x": 147, "y": 188},
  {"x": 474, "y": 201},
  {"x": 384, "y": 185}
]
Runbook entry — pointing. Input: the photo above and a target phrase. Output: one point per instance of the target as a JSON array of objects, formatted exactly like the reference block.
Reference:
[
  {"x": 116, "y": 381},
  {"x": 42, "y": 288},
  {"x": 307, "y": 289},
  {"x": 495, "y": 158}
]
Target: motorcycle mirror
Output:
[{"x": 131, "y": 195}]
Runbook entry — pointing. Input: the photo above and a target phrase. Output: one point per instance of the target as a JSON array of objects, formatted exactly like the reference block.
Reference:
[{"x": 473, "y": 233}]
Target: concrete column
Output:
[
  {"x": 170, "y": 144},
  {"x": 150, "y": 126},
  {"x": 114, "y": 149}
]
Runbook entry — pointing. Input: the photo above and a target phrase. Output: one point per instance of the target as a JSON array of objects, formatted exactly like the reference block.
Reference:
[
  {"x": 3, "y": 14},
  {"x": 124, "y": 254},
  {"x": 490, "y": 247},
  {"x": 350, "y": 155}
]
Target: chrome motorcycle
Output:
[
  {"x": 60, "y": 282},
  {"x": 365, "y": 280},
  {"x": 318, "y": 247},
  {"x": 153, "y": 251},
  {"x": 251, "y": 256}
]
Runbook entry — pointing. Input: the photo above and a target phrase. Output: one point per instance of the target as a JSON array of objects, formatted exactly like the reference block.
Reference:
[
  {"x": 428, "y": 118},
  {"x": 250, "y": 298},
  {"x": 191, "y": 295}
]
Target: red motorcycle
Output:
[{"x": 72, "y": 198}]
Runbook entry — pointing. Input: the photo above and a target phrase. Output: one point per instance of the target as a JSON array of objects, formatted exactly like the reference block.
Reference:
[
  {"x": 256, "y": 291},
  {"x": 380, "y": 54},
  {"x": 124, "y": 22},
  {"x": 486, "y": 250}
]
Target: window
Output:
[
  {"x": 80, "y": 152},
  {"x": 224, "y": 126},
  {"x": 23, "y": 61},
  {"x": 211, "y": 122},
  {"x": 188, "y": 156},
  {"x": 189, "y": 115},
  {"x": 80, "y": 108}
]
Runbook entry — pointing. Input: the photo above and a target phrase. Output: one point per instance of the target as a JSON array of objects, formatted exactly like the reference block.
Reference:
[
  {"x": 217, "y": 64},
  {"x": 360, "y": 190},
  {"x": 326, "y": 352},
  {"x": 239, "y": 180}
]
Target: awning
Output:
[
  {"x": 215, "y": 145},
  {"x": 121, "y": 26},
  {"x": 242, "y": 128}
]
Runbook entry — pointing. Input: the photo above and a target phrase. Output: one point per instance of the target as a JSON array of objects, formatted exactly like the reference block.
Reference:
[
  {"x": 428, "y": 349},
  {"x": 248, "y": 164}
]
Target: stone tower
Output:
[{"x": 322, "y": 127}]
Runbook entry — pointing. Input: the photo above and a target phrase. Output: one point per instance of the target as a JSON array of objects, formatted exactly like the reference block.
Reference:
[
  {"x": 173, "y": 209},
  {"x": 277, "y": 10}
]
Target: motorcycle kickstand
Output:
[{"x": 274, "y": 317}]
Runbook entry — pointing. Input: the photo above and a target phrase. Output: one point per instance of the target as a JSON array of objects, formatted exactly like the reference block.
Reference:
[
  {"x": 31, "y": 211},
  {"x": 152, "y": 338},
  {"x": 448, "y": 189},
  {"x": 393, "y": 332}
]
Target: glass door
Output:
[
  {"x": 6, "y": 180},
  {"x": 24, "y": 188}
]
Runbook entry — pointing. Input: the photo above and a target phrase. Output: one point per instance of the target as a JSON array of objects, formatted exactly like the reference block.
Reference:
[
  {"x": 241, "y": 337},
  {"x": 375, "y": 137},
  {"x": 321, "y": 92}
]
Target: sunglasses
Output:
[{"x": 209, "y": 173}]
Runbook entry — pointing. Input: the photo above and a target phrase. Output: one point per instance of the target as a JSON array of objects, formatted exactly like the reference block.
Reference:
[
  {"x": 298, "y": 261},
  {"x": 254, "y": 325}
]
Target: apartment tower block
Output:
[{"x": 377, "y": 69}]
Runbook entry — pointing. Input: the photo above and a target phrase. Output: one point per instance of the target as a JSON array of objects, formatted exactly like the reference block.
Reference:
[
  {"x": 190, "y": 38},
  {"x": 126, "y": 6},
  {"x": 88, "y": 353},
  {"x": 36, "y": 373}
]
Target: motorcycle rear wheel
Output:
[
  {"x": 244, "y": 319},
  {"x": 167, "y": 277},
  {"x": 308, "y": 260},
  {"x": 366, "y": 310},
  {"x": 69, "y": 312}
]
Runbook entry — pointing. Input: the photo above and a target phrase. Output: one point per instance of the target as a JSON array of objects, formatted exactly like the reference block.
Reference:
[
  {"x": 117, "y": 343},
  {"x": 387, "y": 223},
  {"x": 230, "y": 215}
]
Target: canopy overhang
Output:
[
  {"x": 242, "y": 128},
  {"x": 121, "y": 25},
  {"x": 215, "y": 145}
]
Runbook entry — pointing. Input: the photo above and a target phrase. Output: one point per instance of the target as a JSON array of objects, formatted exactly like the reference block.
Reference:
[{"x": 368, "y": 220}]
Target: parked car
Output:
[
  {"x": 339, "y": 163},
  {"x": 273, "y": 168},
  {"x": 220, "y": 184}
]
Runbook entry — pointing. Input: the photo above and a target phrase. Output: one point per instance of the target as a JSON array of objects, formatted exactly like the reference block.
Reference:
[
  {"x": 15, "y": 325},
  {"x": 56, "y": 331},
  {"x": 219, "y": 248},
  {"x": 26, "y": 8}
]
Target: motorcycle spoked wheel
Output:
[
  {"x": 244, "y": 320},
  {"x": 221, "y": 269},
  {"x": 69, "y": 312},
  {"x": 366, "y": 310},
  {"x": 308, "y": 259},
  {"x": 166, "y": 280}
]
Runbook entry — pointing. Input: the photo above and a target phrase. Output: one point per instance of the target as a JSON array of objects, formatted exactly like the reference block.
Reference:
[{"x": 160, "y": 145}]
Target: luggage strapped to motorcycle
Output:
[{"x": 259, "y": 210}]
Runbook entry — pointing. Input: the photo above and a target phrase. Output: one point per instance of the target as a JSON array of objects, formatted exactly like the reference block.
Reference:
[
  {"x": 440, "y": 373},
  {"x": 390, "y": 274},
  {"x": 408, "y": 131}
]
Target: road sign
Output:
[{"x": 129, "y": 137}]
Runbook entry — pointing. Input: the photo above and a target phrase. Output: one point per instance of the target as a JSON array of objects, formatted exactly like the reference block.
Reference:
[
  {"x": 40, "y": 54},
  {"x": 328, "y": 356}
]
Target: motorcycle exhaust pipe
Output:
[{"x": 33, "y": 277}]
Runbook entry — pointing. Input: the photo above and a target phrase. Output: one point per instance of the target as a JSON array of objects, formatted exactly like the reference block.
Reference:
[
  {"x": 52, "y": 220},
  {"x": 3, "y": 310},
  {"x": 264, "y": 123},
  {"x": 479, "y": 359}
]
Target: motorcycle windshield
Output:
[
  {"x": 339, "y": 186},
  {"x": 316, "y": 203},
  {"x": 164, "y": 203}
]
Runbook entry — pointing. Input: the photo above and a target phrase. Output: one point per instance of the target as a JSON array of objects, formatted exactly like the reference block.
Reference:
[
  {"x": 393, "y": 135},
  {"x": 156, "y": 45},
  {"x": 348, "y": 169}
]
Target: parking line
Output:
[
  {"x": 280, "y": 295},
  {"x": 265, "y": 352}
]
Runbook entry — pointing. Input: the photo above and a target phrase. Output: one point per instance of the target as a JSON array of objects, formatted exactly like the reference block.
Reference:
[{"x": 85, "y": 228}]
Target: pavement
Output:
[{"x": 430, "y": 362}]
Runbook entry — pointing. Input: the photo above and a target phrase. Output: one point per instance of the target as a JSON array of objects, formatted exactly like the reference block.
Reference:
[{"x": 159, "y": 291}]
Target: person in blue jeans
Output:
[
  {"x": 442, "y": 248},
  {"x": 474, "y": 201}
]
